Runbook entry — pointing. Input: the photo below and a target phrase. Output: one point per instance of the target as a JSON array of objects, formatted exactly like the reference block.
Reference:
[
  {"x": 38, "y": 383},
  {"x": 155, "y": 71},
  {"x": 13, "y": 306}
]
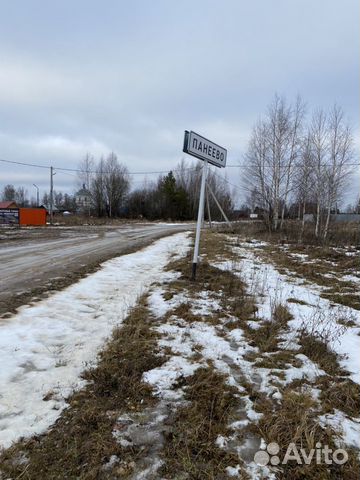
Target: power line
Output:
[
  {"x": 158, "y": 172},
  {"x": 23, "y": 163},
  {"x": 63, "y": 169}
]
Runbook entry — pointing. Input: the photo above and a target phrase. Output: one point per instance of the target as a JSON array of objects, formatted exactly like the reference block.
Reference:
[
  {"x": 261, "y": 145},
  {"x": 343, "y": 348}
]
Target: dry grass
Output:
[
  {"x": 190, "y": 451},
  {"x": 349, "y": 300},
  {"x": 266, "y": 337},
  {"x": 92, "y": 220},
  {"x": 184, "y": 312},
  {"x": 342, "y": 394},
  {"x": 321, "y": 261},
  {"x": 223, "y": 285},
  {"x": 81, "y": 441},
  {"x": 280, "y": 359},
  {"x": 320, "y": 352},
  {"x": 295, "y": 421},
  {"x": 340, "y": 234},
  {"x": 297, "y": 301}
]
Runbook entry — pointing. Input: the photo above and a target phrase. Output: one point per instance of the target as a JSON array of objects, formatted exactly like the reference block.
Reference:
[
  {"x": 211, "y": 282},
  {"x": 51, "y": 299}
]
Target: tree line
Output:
[
  {"x": 172, "y": 196},
  {"x": 105, "y": 190},
  {"x": 20, "y": 195},
  {"x": 297, "y": 160},
  {"x": 295, "y": 164}
]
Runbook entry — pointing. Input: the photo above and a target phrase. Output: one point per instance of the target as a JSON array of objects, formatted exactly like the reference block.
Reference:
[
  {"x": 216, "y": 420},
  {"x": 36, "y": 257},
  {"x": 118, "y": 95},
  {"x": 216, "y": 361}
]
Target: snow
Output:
[
  {"x": 271, "y": 287},
  {"x": 45, "y": 347},
  {"x": 227, "y": 353},
  {"x": 350, "y": 428},
  {"x": 163, "y": 378},
  {"x": 300, "y": 256},
  {"x": 351, "y": 278},
  {"x": 233, "y": 471},
  {"x": 309, "y": 370}
]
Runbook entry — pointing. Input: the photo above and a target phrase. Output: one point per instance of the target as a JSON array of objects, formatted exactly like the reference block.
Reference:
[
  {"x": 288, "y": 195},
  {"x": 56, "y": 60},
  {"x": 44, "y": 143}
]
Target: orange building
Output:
[{"x": 32, "y": 216}]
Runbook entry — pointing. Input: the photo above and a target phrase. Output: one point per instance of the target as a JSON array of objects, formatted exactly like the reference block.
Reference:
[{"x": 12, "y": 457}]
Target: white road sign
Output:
[{"x": 200, "y": 147}]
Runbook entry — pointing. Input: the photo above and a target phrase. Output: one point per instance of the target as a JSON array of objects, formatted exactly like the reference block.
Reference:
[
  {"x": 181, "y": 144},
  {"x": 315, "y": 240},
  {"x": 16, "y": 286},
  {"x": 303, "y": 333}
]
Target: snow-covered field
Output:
[
  {"x": 45, "y": 347},
  {"x": 270, "y": 287},
  {"x": 264, "y": 279}
]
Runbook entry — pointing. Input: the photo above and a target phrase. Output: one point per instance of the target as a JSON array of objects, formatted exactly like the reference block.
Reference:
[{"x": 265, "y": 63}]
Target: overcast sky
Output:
[{"x": 131, "y": 76}]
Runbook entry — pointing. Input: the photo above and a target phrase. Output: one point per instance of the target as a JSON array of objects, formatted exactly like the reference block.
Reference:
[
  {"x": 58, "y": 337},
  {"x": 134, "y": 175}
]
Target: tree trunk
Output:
[
  {"x": 275, "y": 215},
  {"x": 282, "y": 215},
  {"x": 326, "y": 229},
  {"x": 302, "y": 221}
]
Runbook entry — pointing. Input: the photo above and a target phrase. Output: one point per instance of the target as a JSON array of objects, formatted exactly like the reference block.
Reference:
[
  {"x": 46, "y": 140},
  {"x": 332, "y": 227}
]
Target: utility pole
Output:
[
  {"x": 199, "y": 220},
  {"x": 51, "y": 194},
  {"x": 37, "y": 195}
]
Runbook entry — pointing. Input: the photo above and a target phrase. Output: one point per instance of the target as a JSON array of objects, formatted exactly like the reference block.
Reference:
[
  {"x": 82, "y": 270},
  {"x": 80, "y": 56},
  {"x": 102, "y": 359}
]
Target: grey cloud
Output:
[{"x": 130, "y": 77}]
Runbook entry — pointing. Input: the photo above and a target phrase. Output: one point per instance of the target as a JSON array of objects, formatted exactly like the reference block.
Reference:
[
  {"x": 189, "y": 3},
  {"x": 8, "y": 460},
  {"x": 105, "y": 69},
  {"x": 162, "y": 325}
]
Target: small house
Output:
[{"x": 7, "y": 205}]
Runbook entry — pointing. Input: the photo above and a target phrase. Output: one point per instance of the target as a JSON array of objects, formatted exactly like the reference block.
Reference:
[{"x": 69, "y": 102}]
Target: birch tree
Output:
[
  {"x": 270, "y": 160},
  {"x": 337, "y": 168},
  {"x": 319, "y": 151},
  {"x": 303, "y": 180}
]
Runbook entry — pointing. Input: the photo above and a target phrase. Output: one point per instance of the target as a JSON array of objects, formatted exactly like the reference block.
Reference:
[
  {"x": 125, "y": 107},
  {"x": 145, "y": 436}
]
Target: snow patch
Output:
[{"x": 44, "y": 348}]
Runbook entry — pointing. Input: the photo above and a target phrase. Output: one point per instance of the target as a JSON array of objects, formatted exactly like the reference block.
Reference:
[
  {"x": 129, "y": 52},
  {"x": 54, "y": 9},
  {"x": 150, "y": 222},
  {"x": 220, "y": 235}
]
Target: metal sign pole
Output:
[
  {"x": 208, "y": 206},
  {"x": 199, "y": 220},
  {"x": 219, "y": 206}
]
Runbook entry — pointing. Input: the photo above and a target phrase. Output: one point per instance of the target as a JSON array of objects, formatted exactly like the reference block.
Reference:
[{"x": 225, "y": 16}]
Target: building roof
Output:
[
  {"x": 47, "y": 207},
  {"x": 11, "y": 204}
]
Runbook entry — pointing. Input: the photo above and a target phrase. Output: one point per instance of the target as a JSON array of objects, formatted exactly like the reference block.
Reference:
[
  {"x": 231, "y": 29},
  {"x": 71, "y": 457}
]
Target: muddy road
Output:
[{"x": 33, "y": 262}]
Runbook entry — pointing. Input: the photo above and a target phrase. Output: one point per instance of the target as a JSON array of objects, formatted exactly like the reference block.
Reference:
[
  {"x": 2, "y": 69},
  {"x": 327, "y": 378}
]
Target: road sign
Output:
[
  {"x": 209, "y": 152},
  {"x": 200, "y": 147}
]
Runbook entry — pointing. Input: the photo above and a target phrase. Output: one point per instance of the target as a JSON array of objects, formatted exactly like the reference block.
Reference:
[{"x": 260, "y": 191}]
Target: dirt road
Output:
[{"x": 36, "y": 261}]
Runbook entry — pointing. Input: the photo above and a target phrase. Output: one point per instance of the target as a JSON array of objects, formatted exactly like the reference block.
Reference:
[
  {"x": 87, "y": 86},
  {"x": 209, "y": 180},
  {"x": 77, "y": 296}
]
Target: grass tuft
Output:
[{"x": 190, "y": 450}]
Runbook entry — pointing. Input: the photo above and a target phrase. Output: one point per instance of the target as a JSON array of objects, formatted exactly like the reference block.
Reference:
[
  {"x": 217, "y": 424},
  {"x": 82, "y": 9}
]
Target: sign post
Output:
[
  {"x": 209, "y": 152},
  {"x": 199, "y": 220}
]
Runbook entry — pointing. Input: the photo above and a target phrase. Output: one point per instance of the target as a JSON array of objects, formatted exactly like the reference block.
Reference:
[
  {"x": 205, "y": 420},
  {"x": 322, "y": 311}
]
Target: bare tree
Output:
[
  {"x": 282, "y": 163},
  {"x": 97, "y": 189},
  {"x": 270, "y": 160},
  {"x": 303, "y": 180},
  {"x": 338, "y": 168},
  {"x": 319, "y": 151},
  {"x": 188, "y": 177},
  {"x": 331, "y": 151},
  {"x": 8, "y": 194},
  {"x": 86, "y": 170},
  {"x": 116, "y": 184},
  {"x": 294, "y": 125},
  {"x": 21, "y": 197}
]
